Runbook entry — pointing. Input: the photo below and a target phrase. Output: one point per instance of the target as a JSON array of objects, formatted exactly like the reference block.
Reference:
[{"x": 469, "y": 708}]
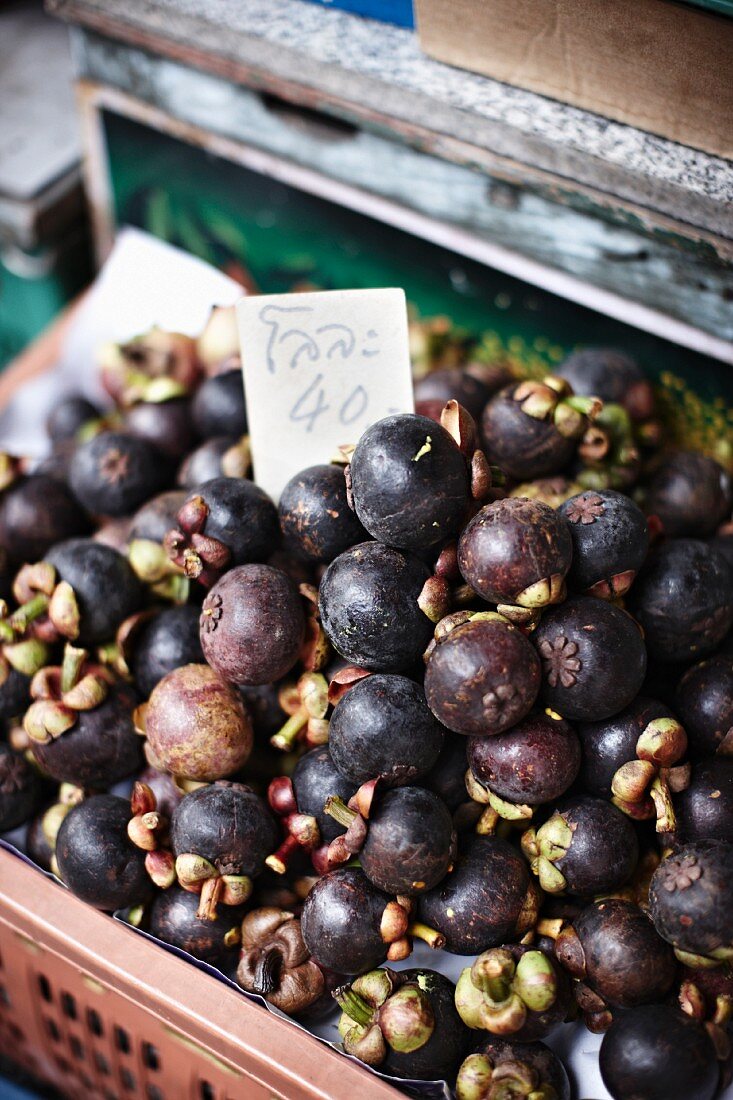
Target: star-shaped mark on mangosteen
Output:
[
  {"x": 211, "y": 612},
  {"x": 585, "y": 509},
  {"x": 114, "y": 466},
  {"x": 681, "y": 873},
  {"x": 496, "y": 700},
  {"x": 560, "y": 661}
]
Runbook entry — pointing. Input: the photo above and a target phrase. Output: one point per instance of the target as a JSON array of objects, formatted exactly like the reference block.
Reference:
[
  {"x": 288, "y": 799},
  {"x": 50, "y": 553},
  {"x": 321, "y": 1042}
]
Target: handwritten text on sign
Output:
[{"x": 319, "y": 369}]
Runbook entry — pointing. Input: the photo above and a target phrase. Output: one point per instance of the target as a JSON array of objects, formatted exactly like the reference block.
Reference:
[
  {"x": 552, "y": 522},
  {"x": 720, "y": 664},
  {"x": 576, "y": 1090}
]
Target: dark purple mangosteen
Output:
[
  {"x": 220, "y": 456},
  {"x": 683, "y": 599},
  {"x": 704, "y": 702},
  {"x": 36, "y": 512},
  {"x": 593, "y": 658},
  {"x": 410, "y": 482},
  {"x": 482, "y": 675},
  {"x": 456, "y": 384},
  {"x": 315, "y": 518},
  {"x": 659, "y": 1053},
  {"x": 218, "y": 407},
  {"x": 691, "y": 899},
  {"x": 252, "y": 625},
  {"x": 369, "y": 607},
  {"x": 611, "y": 375},
  {"x": 114, "y": 473},
  {"x": 383, "y": 729},
  {"x": 487, "y": 899},
  {"x": 165, "y": 424},
  {"x": 174, "y": 919},
  {"x": 586, "y": 847},
  {"x": 105, "y": 589},
  {"x": 96, "y": 858},
  {"x": 167, "y": 641},
  {"x": 690, "y": 493},
  {"x": 704, "y": 809},
  {"x": 516, "y": 551},
  {"x": 534, "y": 762},
  {"x": 610, "y": 542}
]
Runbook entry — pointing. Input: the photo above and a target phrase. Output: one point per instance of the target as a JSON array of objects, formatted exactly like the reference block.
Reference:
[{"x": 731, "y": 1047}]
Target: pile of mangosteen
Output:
[{"x": 469, "y": 684}]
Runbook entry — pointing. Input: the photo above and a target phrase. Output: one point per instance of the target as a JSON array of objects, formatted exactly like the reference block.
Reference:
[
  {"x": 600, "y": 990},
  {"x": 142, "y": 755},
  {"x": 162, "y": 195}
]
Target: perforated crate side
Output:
[{"x": 101, "y": 1013}]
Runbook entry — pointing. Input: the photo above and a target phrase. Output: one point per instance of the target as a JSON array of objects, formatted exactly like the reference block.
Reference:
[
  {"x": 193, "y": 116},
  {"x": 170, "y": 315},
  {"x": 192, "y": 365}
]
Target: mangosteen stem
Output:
[
  {"x": 267, "y": 972},
  {"x": 287, "y": 735},
  {"x": 354, "y": 1005},
  {"x": 71, "y": 668},
  {"x": 336, "y": 808},
  {"x": 428, "y": 935},
  {"x": 280, "y": 859},
  {"x": 21, "y": 618}
]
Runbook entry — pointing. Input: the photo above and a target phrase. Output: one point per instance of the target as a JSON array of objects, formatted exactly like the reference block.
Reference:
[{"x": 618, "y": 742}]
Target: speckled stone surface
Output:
[{"x": 378, "y": 68}]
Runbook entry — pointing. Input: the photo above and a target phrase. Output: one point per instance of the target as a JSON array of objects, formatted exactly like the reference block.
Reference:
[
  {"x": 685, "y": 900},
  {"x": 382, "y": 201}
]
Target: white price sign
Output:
[{"x": 318, "y": 369}]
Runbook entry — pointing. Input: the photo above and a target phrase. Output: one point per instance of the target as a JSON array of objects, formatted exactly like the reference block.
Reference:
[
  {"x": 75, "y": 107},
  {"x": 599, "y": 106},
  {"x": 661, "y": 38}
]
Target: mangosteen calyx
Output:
[
  {"x": 543, "y": 847},
  {"x": 306, "y": 705},
  {"x": 496, "y": 992},
  {"x": 642, "y": 787},
  {"x": 201, "y": 557},
  {"x": 148, "y": 830},
  {"x": 481, "y": 1079},
  {"x": 60, "y": 693},
  {"x": 382, "y": 1010},
  {"x": 276, "y": 964}
]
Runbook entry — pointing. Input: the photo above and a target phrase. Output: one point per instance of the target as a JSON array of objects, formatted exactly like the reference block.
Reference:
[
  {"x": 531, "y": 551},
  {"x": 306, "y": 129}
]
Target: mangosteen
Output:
[
  {"x": 218, "y": 407},
  {"x": 369, "y": 607},
  {"x": 614, "y": 952},
  {"x": 410, "y": 483},
  {"x": 165, "y": 424},
  {"x": 35, "y": 513},
  {"x": 486, "y": 900},
  {"x": 196, "y": 725},
  {"x": 586, "y": 847},
  {"x": 276, "y": 964},
  {"x": 68, "y": 416},
  {"x": 516, "y": 551},
  {"x": 383, "y": 729},
  {"x": 656, "y": 1052},
  {"x": 166, "y": 792},
  {"x": 315, "y": 518},
  {"x": 405, "y": 1024},
  {"x": 704, "y": 702},
  {"x": 534, "y": 762},
  {"x": 704, "y": 809},
  {"x": 514, "y": 990},
  {"x": 404, "y": 837},
  {"x": 635, "y": 758},
  {"x": 165, "y": 643},
  {"x": 220, "y": 835},
  {"x": 20, "y": 789},
  {"x": 528, "y": 1070},
  {"x": 97, "y": 860},
  {"x": 684, "y": 600},
  {"x": 530, "y": 429},
  {"x": 227, "y": 521},
  {"x": 220, "y": 456},
  {"x": 300, "y": 803},
  {"x": 252, "y": 625},
  {"x": 458, "y": 384},
  {"x": 15, "y": 692},
  {"x": 482, "y": 674},
  {"x": 104, "y": 590},
  {"x": 593, "y": 658},
  {"x": 114, "y": 473},
  {"x": 613, "y": 376},
  {"x": 690, "y": 493},
  {"x": 150, "y": 364},
  {"x": 80, "y": 724},
  {"x": 691, "y": 899},
  {"x": 174, "y": 919},
  {"x": 610, "y": 542},
  {"x": 350, "y": 926}
]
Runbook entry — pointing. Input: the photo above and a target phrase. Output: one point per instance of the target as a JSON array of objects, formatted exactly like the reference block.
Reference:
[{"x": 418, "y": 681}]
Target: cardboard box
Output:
[{"x": 662, "y": 66}]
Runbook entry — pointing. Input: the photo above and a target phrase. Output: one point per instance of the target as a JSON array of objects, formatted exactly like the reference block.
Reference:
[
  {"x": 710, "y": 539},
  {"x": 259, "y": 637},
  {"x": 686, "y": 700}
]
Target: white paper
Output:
[
  {"x": 319, "y": 369},
  {"x": 145, "y": 282}
]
